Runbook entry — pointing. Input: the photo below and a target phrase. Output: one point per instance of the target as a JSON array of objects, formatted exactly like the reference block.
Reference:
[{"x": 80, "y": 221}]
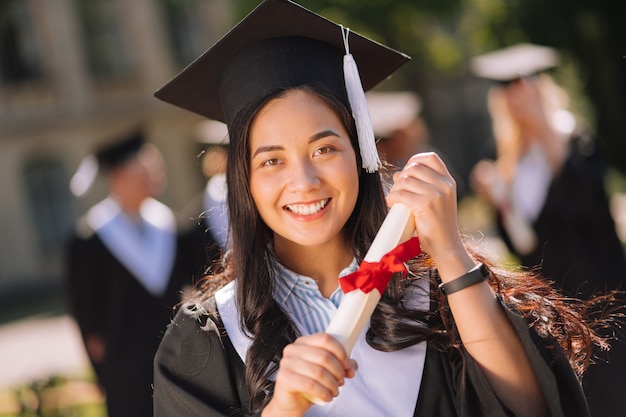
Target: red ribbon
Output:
[{"x": 376, "y": 275}]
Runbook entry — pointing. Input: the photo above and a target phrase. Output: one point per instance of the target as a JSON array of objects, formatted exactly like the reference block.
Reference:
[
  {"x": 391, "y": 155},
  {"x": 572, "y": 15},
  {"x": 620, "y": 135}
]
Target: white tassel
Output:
[{"x": 360, "y": 112}]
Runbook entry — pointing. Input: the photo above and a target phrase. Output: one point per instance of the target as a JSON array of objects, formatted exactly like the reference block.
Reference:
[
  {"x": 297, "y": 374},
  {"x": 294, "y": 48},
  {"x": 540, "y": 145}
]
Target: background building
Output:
[{"x": 74, "y": 73}]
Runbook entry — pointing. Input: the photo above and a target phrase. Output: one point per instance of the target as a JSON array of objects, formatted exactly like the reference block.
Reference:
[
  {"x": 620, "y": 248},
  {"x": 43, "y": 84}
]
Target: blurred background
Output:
[{"x": 74, "y": 73}]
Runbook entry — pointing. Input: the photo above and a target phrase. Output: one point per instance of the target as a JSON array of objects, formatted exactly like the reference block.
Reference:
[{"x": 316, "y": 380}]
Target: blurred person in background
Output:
[
  {"x": 547, "y": 188},
  {"x": 128, "y": 262},
  {"x": 400, "y": 131},
  {"x": 209, "y": 208}
]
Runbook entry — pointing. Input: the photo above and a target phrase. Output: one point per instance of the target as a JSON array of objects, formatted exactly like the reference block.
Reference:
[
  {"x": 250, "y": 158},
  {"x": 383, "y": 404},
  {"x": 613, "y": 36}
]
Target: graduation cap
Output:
[
  {"x": 392, "y": 110},
  {"x": 515, "y": 62},
  {"x": 115, "y": 154},
  {"x": 212, "y": 132},
  {"x": 104, "y": 159},
  {"x": 281, "y": 44}
]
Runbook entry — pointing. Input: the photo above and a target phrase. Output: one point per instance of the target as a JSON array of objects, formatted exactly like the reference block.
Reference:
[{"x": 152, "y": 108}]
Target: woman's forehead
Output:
[{"x": 294, "y": 114}]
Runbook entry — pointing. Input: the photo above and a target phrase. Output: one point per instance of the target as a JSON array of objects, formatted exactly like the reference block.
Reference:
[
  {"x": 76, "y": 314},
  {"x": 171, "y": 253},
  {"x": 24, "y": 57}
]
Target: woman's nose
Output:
[{"x": 303, "y": 177}]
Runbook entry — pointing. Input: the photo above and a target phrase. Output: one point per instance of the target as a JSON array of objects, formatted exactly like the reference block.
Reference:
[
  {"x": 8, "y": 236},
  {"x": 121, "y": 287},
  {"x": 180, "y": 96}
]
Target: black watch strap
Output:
[{"x": 477, "y": 274}]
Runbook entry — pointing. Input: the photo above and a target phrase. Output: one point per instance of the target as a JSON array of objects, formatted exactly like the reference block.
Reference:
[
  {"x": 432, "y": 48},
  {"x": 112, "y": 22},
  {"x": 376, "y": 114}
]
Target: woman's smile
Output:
[{"x": 308, "y": 209}]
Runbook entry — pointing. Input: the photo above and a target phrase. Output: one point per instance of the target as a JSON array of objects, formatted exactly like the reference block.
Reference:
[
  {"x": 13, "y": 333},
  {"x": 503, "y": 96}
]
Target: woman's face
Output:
[{"x": 303, "y": 170}]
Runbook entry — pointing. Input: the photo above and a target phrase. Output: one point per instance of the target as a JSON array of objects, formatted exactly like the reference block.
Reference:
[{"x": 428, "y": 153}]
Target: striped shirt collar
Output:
[{"x": 301, "y": 298}]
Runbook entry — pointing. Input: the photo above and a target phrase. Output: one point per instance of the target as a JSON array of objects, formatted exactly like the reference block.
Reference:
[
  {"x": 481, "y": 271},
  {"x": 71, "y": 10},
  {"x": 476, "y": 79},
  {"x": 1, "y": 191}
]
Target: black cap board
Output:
[
  {"x": 279, "y": 44},
  {"x": 114, "y": 154},
  {"x": 104, "y": 159}
]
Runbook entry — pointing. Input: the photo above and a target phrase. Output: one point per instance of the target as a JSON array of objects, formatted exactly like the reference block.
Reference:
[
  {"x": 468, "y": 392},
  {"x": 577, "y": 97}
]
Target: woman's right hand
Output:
[{"x": 313, "y": 366}]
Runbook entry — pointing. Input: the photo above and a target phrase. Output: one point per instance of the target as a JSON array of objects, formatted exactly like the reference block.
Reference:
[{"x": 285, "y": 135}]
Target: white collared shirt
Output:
[{"x": 386, "y": 384}]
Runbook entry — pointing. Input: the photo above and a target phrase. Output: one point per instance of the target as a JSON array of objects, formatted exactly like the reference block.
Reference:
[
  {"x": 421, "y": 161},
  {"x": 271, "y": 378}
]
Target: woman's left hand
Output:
[{"x": 426, "y": 187}]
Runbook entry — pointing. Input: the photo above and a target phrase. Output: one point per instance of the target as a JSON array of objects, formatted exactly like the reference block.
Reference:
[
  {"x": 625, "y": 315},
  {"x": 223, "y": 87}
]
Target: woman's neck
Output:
[{"x": 322, "y": 263}]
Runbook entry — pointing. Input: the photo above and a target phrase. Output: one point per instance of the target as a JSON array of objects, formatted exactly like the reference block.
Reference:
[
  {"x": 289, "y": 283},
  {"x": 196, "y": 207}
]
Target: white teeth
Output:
[{"x": 307, "y": 209}]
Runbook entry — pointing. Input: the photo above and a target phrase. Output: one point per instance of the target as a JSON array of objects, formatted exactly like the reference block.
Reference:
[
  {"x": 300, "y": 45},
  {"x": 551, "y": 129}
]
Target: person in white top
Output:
[
  {"x": 214, "y": 135},
  {"x": 547, "y": 188}
]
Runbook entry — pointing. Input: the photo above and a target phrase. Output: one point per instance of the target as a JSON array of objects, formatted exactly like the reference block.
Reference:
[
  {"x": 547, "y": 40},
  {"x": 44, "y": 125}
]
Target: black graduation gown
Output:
[
  {"x": 582, "y": 253},
  {"x": 107, "y": 300},
  {"x": 579, "y": 248},
  {"x": 199, "y": 374}
]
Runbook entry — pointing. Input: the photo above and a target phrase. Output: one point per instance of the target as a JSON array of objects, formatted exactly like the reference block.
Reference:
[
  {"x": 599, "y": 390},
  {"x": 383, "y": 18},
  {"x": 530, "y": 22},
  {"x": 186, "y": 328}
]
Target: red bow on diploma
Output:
[{"x": 376, "y": 275}]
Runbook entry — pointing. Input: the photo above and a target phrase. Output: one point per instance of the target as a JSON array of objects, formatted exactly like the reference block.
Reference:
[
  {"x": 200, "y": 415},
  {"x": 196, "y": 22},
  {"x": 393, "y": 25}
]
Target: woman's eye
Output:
[
  {"x": 323, "y": 150},
  {"x": 270, "y": 162}
]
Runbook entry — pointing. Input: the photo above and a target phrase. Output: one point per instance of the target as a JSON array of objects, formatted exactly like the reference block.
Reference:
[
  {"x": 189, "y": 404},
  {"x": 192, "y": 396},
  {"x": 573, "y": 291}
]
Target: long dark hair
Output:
[
  {"x": 393, "y": 325},
  {"x": 253, "y": 258}
]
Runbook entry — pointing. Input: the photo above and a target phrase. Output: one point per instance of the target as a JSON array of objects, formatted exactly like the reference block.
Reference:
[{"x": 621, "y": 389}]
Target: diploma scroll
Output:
[{"x": 356, "y": 307}]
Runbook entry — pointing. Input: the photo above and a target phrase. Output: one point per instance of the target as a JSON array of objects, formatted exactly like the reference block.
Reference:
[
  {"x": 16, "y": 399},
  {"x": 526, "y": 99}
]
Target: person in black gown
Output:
[
  {"x": 208, "y": 207},
  {"x": 127, "y": 264},
  {"x": 308, "y": 203},
  {"x": 550, "y": 176}
]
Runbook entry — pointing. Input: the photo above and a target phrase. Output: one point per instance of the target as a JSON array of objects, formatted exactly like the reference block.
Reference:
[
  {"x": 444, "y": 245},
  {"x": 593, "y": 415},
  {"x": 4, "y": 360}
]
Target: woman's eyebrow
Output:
[
  {"x": 323, "y": 134},
  {"x": 268, "y": 148}
]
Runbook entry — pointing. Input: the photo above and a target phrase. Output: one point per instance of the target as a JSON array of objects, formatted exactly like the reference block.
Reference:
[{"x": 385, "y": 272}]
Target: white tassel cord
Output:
[{"x": 360, "y": 112}]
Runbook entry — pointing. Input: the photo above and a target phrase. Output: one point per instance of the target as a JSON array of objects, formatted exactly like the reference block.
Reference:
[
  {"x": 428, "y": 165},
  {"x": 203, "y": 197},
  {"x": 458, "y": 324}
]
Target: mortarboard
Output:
[
  {"x": 105, "y": 158},
  {"x": 211, "y": 132},
  {"x": 280, "y": 44},
  {"x": 391, "y": 110},
  {"x": 114, "y": 154},
  {"x": 514, "y": 62}
]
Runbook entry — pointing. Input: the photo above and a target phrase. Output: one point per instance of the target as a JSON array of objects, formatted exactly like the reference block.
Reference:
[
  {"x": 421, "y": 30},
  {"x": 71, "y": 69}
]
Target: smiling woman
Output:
[
  {"x": 307, "y": 206},
  {"x": 303, "y": 173}
]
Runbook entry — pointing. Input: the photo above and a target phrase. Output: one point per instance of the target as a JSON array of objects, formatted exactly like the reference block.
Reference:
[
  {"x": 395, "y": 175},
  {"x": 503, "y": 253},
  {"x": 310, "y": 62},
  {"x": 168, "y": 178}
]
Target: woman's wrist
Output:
[
  {"x": 453, "y": 263},
  {"x": 474, "y": 276},
  {"x": 270, "y": 411}
]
